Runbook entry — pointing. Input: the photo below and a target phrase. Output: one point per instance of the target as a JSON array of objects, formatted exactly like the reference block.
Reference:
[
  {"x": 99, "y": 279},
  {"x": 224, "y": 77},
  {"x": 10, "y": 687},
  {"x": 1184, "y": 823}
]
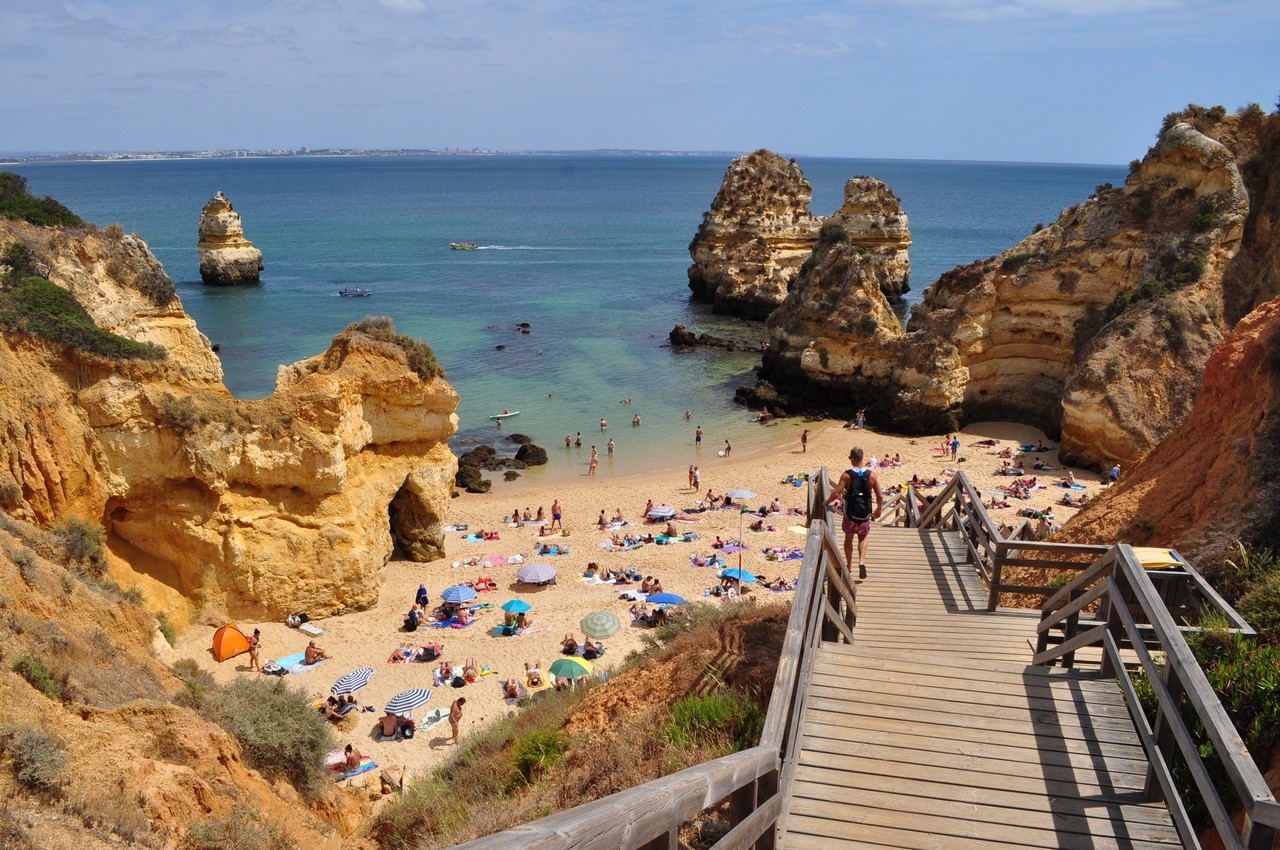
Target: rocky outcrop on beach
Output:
[
  {"x": 227, "y": 258},
  {"x": 1216, "y": 478},
  {"x": 1095, "y": 327},
  {"x": 214, "y": 506},
  {"x": 755, "y": 237},
  {"x": 874, "y": 222}
]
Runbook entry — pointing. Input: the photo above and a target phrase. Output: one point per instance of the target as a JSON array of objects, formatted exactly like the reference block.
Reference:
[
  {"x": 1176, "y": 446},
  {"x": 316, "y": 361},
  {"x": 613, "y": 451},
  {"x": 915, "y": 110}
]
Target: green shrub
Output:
[
  {"x": 166, "y": 628},
  {"x": 1261, "y": 608},
  {"x": 35, "y": 306},
  {"x": 17, "y": 203},
  {"x": 83, "y": 545},
  {"x": 38, "y": 759},
  {"x": 25, "y": 561},
  {"x": 19, "y": 259},
  {"x": 279, "y": 730},
  {"x": 38, "y": 675},
  {"x": 1013, "y": 262},
  {"x": 1104, "y": 189},
  {"x": 538, "y": 751},
  {"x": 197, "y": 683},
  {"x": 243, "y": 829},
  {"x": 833, "y": 234},
  {"x": 422, "y": 360},
  {"x": 728, "y": 720}
]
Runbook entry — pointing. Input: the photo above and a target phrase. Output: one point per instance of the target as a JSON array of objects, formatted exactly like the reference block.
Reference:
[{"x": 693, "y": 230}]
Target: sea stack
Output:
[
  {"x": 755, "y": 237},
  {"x": 226, "y": 257}
]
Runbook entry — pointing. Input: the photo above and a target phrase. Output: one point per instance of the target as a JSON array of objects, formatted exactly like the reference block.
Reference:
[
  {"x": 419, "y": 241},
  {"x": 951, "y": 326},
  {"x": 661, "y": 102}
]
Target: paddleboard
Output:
[{"x": 505, "y": 415}]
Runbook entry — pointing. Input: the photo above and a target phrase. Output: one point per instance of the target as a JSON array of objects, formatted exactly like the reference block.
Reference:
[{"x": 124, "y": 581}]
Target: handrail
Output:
[
  {"x": 755, "y": 781},
  {"x": 1126, "y": 593}
]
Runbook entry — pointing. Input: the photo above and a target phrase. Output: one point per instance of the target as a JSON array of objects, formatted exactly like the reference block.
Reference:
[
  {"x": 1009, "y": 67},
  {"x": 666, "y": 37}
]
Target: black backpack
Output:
[{"x": 857, "y": 499}]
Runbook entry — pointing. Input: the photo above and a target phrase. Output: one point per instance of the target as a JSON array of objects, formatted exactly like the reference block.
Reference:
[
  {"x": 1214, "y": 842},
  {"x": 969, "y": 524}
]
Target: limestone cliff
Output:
[
  {"x": 119, "y": 763},
  {"x": 216, "y": 506},
  {"x": 874, "y": 221},
  {"x": 1216, "y": 478},
  {"x": 1096, "y": 327},
  {"x": 227, "y": 258},
  {"x": 755, "y": 237}
]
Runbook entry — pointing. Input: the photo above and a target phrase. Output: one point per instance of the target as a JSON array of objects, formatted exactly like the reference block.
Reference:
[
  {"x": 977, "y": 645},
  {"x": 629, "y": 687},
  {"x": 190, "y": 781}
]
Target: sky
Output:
[{"x": 1084, "y": 81}]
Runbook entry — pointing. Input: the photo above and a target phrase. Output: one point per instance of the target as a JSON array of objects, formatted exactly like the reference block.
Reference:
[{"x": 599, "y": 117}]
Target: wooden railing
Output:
[
  {"x": 1133, "y": 616},
  {"x": 755, "y": 782}
]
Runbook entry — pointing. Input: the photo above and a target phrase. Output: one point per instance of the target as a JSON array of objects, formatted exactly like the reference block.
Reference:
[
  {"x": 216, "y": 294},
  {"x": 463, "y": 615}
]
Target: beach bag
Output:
[
  {"x": 459, "y": 682},
  {"x": 406, "y": 731},
  {"x": 857, "y": 499},
  {"x": 271, "y": 668}
]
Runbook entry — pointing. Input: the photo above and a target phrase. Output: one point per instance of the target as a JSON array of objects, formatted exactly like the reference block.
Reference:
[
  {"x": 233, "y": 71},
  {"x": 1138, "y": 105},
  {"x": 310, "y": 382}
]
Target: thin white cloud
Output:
[
  {"x": 404, "y": 7},
  {"x": 988, "y": 11}
]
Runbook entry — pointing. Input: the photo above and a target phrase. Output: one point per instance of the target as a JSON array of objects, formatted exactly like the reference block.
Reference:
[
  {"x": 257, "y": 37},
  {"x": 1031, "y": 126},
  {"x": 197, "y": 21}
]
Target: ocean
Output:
[{"x": 590, "y": 251}]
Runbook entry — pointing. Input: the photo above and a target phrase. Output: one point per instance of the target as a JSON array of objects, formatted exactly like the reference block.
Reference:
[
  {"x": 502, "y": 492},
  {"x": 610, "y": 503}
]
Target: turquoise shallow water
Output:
[{"x": 591, "y": 251}]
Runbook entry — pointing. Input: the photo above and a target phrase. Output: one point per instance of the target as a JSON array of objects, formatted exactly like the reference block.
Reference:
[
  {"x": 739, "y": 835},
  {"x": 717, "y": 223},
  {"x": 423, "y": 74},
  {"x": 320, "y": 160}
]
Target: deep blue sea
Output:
[{"x": 591, "y": 251}]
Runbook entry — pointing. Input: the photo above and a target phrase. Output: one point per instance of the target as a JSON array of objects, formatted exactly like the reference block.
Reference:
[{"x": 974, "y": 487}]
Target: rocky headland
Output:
[
  {"x": 754, "y": 238},
  {"x": 227, "y": 258},
  {"x": 1096, "y": 327},
  {"x": 211, "y": 505}
]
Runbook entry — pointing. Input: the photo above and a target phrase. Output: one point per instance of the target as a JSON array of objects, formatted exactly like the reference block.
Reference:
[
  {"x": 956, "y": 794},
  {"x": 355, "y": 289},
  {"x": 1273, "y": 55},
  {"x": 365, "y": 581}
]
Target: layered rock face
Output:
[
  {"x": 226, "y": 257},
  {"x": 1216, "y": 478},
  {"x": 873, "y": 218},
  {"x": 755, "y": 237},
  {"x": 1096, "y": 327},
  {"x": 217, "y": 506}
]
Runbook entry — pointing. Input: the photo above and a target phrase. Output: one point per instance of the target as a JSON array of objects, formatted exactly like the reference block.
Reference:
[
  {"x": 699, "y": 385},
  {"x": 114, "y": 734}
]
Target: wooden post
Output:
[
  {"x": 669, "y": 840},
  {"x": 1257, "y": 837},
  {"x": 1072, "y": 626},
  {"x": 766, "y": 789},
  {"x": 1162, "y": 731},
  {"x": 742, "y": 802}
]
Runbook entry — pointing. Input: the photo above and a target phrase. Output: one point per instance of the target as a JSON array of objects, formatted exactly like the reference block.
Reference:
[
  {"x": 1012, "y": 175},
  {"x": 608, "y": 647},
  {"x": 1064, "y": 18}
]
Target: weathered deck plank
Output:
[{"x": 932, "y": 730}]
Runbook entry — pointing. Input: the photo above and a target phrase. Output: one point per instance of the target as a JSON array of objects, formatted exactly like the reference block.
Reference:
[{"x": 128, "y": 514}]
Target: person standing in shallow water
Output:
[{"x": 697, "y": 436}]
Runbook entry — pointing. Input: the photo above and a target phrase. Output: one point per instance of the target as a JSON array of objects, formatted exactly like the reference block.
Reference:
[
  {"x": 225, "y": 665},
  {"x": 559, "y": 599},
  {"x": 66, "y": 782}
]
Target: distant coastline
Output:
[{"x": 16, "y": 158}]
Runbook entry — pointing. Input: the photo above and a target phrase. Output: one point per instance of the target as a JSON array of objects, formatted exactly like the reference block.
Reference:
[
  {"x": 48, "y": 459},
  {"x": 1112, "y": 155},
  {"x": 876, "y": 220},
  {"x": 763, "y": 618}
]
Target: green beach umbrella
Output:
[
  {"x": 571, "y": 667},
  {"x": 600, "y": 624}
]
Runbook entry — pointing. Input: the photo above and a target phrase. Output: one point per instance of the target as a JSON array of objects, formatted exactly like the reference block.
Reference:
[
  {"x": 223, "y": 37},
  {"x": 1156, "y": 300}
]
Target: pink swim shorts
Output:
[{"x": 862, "y": 529}]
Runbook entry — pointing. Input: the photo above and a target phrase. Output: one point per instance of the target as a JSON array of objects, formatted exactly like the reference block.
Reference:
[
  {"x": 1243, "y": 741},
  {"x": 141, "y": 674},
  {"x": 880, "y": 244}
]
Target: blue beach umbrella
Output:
[
  {"x": 516, "y": 606},
  {"x": 458, "y": 593},
  {"x": 535, "y": 573},
  {"x": 740, "y": 574},
  {"x": 666, "y": 599},
  {"x": 352, "y": 682},
  {"x": 408, "y": 700}
]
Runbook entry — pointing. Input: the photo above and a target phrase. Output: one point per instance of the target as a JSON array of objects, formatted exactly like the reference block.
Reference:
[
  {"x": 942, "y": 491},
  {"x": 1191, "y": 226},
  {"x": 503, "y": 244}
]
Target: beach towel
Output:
[
  {"x": 459, "y": 526},
  {"x": 366, "y": 765},
  {"x": 311, "y": 629},
  {"x": 515, "y": 559},
  {"x": 432, "y": 720},
  {"x": 474, "y": 538},
  {"x": 500, "y": 631},
  {"x": 495, "y": 560}
]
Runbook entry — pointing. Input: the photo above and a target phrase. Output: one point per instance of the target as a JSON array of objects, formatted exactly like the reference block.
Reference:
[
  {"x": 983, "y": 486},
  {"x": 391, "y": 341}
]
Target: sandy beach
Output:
[{"x": 367, "y": 638}]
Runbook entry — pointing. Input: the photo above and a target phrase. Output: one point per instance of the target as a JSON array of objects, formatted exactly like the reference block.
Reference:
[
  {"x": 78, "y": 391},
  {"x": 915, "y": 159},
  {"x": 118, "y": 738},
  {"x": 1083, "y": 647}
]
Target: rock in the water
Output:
[
  {"x": 682, "y": 337},
  {"x": 519, "y": 439},
  {"x": 755, "y": 237},
  {"x": 226, "y": 257},
  {"x": 531, "y": 455},
  {"x": 1096, "y": 327},
  {"x": 873, "y": 221},
  {"x": 510, "y": 475}
]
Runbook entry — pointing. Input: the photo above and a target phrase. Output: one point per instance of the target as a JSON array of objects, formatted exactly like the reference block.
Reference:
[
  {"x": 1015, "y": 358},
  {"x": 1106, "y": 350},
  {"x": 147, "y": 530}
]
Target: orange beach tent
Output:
[{"x": 228, "y": 642}]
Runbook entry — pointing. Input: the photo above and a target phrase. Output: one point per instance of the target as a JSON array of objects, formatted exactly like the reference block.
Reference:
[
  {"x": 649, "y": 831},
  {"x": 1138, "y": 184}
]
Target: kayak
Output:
[{"x": 505, "y": 415}]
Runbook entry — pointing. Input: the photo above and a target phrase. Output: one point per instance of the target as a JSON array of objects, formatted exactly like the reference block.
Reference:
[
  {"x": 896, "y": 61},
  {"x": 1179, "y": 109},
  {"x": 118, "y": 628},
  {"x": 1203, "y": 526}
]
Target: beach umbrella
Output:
[
  {"x": 408, "y": 700},
  {"x": 662, "y": 512},
  {"x": 535, "y": 573},
  {"x": 516, "y": 606},
  {"x": 458, "y": 593},
  {"x": 570, "y": 667},
  {"x": 600, "y": 624},
  {"x": 352, "y": 682},
  {"x": 740, "y": 495},
  {"x": 666, "y": 599},
  {"x": 740, "y": 574}
]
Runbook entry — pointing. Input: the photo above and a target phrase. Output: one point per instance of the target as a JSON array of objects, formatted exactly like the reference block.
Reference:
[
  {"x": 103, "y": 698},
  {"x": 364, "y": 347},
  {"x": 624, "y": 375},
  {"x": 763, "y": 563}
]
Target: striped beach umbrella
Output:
[
  {"x": 408, "y": 700},
  {"x": 535, "y": 573},
  {"x": 570, "y": 667},
  {"x": 352, "y": 682},
  {"x": 458, "y": 593},
  {"x": 600, "y": 624},
  {"x": 516, "y": 606}
]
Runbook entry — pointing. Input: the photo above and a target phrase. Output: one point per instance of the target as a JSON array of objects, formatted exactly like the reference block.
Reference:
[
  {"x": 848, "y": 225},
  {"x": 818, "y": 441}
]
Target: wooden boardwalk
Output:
[{"x": 932, "y": 730}]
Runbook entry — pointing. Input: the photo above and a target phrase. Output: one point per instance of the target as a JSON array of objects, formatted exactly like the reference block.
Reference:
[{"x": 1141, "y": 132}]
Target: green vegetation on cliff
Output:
[
  {"x": 422, "y": 360},
  {"x": 33, "y": 305},
  {"x": 17, "y": 203}
]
